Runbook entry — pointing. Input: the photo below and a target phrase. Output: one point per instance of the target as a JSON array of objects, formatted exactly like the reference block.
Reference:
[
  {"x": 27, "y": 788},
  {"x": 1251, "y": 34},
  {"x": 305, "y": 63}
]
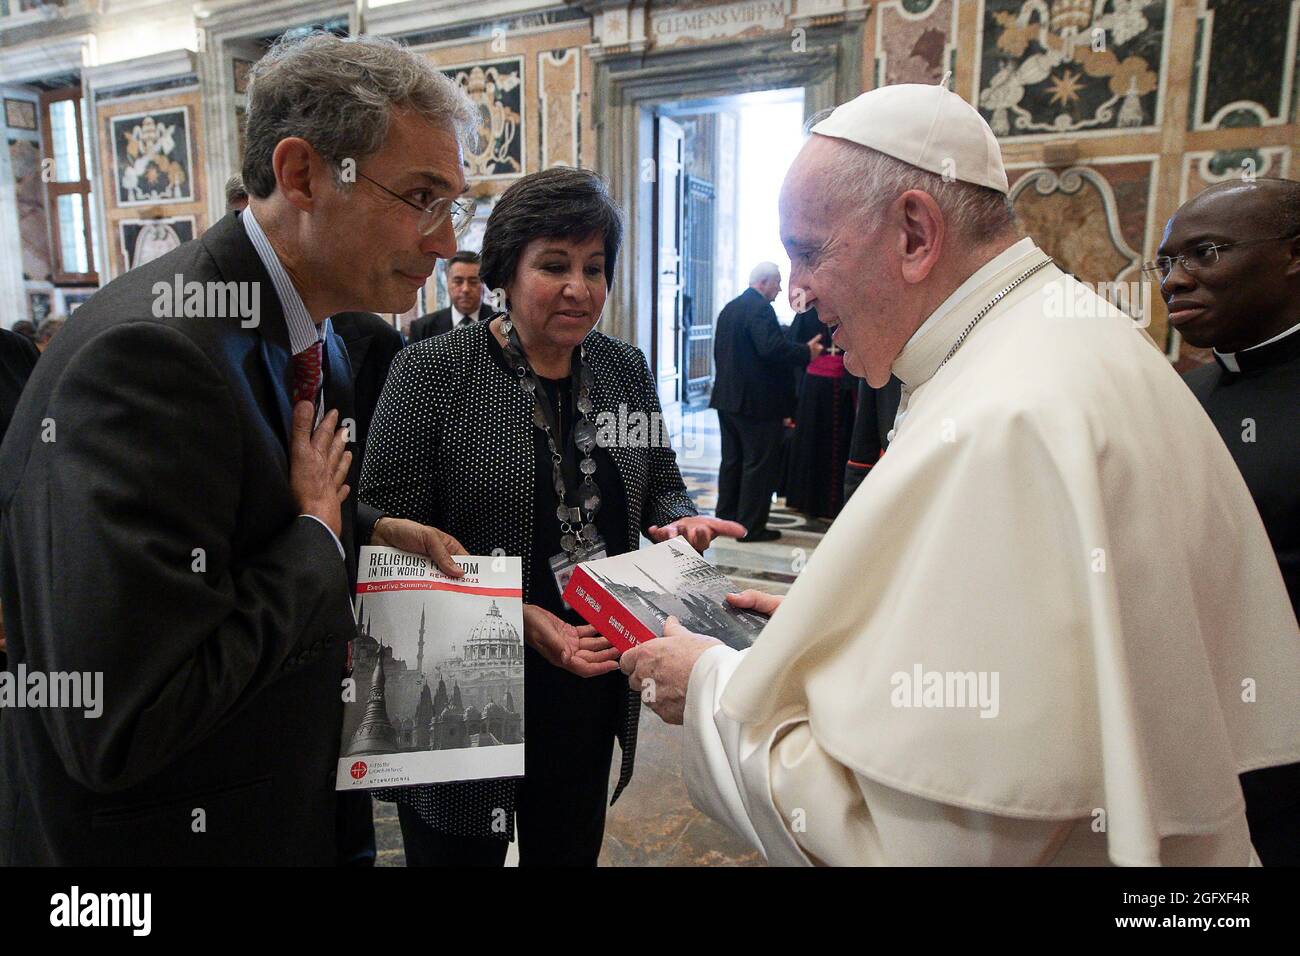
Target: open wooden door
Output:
[{"x": 669, "y": 172}]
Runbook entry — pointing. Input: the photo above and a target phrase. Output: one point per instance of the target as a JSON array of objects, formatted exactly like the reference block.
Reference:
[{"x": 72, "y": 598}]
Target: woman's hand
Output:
[
  {"x": 578, "y": 650},
  {"x": 758, "y": 601},
  {"x": 699, "y": 531}
]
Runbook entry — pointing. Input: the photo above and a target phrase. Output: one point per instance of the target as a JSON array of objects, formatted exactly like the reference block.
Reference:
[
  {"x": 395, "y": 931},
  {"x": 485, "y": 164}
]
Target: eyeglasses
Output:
[
  {"x": 1202, "y": 257},
  {"x": 461, "y": 211}
]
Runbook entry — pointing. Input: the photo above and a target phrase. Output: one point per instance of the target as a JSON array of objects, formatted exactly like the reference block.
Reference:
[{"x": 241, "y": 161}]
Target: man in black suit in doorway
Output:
[
  {"x": 753, "y": 392},
  {"x": 467, "y": 305},
  {"x": 177, "y": 525}
]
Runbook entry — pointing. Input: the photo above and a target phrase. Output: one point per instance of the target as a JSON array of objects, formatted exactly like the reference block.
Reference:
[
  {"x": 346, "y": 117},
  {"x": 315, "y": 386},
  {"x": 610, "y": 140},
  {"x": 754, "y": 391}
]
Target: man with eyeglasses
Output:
[
  {"x": 176, "y": 483},
  {"x": 1229, "y": 272}
]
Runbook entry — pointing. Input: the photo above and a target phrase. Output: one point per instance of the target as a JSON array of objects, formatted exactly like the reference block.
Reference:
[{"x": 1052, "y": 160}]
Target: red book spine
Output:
[{"x": 599, "y": 608}]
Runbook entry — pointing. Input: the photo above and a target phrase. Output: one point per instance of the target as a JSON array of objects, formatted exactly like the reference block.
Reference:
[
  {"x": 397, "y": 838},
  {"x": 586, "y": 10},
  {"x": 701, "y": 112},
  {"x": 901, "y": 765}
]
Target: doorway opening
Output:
[{"x": 719, "y": 164}]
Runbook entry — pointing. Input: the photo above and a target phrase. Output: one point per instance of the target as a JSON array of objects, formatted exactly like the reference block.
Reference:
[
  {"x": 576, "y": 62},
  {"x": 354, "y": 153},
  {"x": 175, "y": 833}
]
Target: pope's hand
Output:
[
  {"x": 660, "y": 670},
  {"x": 419, "y": 538},
  {"x": 578, "y": 650},
  {"x": 759, "y": 601},
  {"x": 698, "y": 530}
]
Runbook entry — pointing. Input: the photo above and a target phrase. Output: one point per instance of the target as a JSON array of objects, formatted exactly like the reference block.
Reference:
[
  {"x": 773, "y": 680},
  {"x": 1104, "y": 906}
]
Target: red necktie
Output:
[{"x": 307, "y": 374}]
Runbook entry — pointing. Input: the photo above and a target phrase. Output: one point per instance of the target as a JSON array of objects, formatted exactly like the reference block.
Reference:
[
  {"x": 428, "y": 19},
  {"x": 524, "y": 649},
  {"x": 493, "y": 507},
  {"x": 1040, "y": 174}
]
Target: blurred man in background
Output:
[
  {"x": 753, "y": 392},
  {"x": 467, "y": 305}
]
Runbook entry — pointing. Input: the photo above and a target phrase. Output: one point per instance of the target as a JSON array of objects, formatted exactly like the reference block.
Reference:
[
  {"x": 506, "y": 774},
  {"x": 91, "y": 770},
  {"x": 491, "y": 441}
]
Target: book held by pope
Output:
[{"x": 628, "y": 597}]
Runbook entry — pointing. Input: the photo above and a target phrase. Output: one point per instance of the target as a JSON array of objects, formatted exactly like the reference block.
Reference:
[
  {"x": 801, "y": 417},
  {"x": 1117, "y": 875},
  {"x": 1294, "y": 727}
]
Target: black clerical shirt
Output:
[
  {"x": 1256, "y": 409},
  {"x": 1253, "y": 398}
]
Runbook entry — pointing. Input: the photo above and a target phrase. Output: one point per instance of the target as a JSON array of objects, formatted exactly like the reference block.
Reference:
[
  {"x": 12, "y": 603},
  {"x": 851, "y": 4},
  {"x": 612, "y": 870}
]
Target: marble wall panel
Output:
[
  {"x": 497, "y": 89},
  {"x": 1093, "y": 219},
  {"x": 1244, "y": 70},
  {"x": 153, "y": 157},
  {"x": 33, "y": 226},
  {"x": 117, "y": 122},
  {"x": 1048, "y": 69},
  {"x": 553, "y": 71},
  {"x": 914, "y": 40},
  {"x": 1207, "y": 167},
  {"x": 1096, "y": 221},
  {"x": 559, "y": 88}
]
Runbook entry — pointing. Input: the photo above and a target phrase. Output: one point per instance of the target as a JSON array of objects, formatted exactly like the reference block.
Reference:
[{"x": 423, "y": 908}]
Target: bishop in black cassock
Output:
[
  {"x": 823, "y": 425},
  {"x": 1230, "y": 274}
]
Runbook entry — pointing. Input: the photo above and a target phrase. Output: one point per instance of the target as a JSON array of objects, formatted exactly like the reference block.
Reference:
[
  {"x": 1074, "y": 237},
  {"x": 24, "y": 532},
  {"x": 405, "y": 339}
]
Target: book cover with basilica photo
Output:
[
  {"x": 437, "y": 671},
  {"x": 628, "y": 597}
]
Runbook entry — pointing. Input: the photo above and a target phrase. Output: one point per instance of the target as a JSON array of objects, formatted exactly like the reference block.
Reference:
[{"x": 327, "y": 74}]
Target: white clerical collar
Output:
[
  {"x": 1229, "y": 359},
  {"x": 303, "y": 332},
  {"x": 925, "y": 350}
]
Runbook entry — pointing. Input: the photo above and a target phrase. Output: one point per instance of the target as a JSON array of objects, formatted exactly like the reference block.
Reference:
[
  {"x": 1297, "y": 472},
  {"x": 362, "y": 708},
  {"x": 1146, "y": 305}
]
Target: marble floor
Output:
[{"x": 653, "y": 823}]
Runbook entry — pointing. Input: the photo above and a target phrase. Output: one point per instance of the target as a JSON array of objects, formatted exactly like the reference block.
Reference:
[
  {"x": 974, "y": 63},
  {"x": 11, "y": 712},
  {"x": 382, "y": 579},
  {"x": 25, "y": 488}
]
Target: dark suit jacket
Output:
[
  {"x": 372, "y": 344},
  {"x": 436, "y": 323},
  {"x": 753, "y": 358},
  {"x": 221, "y": 667},
  {"x": 17, "y": 359}
]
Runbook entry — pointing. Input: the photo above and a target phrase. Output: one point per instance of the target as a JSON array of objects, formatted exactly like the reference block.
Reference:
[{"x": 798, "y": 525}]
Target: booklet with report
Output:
[
  {"x": 435, "y": 691},
  {"x": 628, "y": 597}
]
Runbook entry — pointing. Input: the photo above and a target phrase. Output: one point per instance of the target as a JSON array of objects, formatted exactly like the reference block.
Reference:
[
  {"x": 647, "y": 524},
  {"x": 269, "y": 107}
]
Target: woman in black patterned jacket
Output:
[{"x": 461, "y": 440}]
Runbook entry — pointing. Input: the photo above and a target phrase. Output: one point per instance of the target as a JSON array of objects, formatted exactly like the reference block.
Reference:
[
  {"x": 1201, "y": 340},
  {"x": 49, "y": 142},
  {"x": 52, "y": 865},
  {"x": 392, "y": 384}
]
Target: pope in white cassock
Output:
[{"x": 1049, "y": 627}]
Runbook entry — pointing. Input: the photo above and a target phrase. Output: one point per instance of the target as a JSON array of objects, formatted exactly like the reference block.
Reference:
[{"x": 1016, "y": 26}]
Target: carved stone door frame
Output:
[{"x": 628, "y": 87}]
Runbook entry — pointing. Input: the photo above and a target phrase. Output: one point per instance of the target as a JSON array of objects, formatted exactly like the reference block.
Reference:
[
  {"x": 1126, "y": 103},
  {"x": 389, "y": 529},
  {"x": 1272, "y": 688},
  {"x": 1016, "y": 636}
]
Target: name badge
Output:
[{"x": 562, "y": 564}]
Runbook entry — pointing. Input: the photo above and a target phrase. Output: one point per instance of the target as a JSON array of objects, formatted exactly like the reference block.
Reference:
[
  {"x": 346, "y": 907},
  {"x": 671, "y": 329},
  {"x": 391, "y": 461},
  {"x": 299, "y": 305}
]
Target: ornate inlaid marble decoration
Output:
[
  {"x": 914, "y": 40},
  {"x": 1052, "y": 67},
  {"x": 1205, "y": 168},
  {"x": 1244, "y": 71},
  {"x": 241, "y": 130},
  {"x": 239, "y": 74},
  {"x": 1095, "y": 220},
  {"x": 151, "y": 157},
  {"x": 39, "y": 306},
  {"x": 144, "y": 240},
  {"x": 497, "y": 89},
  {"x": 559, "y": 81},
  {"x": 33, "y": 228},
  {"x": 1091, "y": 219},
  {"x": 20, "y": 114}
]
